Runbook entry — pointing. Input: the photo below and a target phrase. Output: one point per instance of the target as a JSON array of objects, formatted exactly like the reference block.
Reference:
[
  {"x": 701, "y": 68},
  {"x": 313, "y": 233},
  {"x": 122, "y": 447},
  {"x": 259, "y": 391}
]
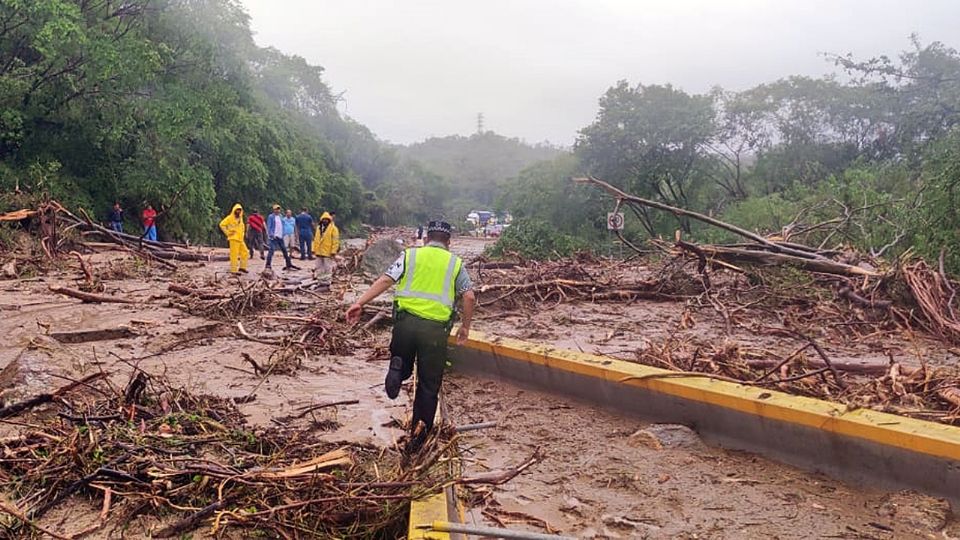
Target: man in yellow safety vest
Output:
[{"x": 428, "y": 280}]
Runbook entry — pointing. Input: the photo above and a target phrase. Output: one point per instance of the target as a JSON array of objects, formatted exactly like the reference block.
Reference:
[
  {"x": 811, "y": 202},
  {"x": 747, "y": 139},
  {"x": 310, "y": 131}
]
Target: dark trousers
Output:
[
  {"x": 255, "y": 241},
  {"x": 306, "y": 239},
  {"x": 423, "y": 341},
  {"x": 275, "y": 244}
]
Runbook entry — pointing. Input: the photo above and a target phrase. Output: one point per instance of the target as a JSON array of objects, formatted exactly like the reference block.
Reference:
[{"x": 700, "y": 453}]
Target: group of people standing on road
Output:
[
  {"x": 148, "y": 218},
  {"x": 430, "y": 282},
  {"x": 284, "y": 232}
]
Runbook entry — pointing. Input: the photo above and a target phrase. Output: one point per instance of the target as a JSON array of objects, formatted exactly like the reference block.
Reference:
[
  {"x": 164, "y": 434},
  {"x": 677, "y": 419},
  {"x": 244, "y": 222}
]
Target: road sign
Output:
[{"x": 615, "y": 221}]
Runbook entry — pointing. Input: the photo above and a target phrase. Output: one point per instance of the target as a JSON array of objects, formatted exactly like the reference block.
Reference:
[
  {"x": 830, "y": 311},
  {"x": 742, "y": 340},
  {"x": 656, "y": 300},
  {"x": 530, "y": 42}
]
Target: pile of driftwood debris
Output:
[
  {"x": 586, "y": 278},
  {"x": 191, "y": 461},
  {"x": 925, "y": 392},
  {"x": 61, "y": 231},
  {"x": 834, "y": 286},
  {"x": 762, "y": 287},
  {"x": 226, "y": 299}
]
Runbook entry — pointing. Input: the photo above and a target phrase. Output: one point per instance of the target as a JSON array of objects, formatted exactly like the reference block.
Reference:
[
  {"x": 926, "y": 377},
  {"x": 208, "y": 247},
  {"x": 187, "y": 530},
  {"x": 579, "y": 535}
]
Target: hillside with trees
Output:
[
  {"x": 172, "y": 103},
  {"x": 477, "y": 167},
  {"x": 166, "y": 102},
  {"x": 868, "y": 160}
]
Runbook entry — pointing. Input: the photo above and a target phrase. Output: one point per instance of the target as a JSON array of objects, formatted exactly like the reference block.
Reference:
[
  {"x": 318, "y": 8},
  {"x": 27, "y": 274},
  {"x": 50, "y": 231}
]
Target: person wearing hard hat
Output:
[{"x": 428, "y": 280}]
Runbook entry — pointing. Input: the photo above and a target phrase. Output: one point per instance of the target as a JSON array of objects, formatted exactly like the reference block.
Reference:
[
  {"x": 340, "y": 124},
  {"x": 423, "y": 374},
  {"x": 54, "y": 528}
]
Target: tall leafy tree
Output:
[{"x": 649, "y": 140}]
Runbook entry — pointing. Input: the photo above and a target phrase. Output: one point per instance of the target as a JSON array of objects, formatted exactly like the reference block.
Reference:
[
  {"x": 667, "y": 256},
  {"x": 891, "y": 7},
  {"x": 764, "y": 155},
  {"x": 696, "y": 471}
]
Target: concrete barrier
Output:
[
  {"x": 443, "y": 506},
  {"x": 860, "y": 446},
  {"x": 440, "y": 507}
]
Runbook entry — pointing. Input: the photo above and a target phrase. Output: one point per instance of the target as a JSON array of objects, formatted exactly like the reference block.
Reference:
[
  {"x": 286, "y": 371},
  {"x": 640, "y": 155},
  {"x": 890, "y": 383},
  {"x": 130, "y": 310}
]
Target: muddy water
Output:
[{"x": 609, "y": 476}]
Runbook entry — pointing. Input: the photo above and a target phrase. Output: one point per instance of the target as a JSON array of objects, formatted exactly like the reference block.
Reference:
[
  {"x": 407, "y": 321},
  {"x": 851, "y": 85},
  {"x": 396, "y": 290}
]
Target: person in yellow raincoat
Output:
[
  {"x": 326, "y": 244},
  {"x": 233, "y": 226}
]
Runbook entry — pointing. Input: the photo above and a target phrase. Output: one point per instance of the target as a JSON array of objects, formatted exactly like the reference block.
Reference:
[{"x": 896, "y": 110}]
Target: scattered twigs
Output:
[
  {"x": 950, "y": 394},
  {"x": 90, "y": 282},
  {"x": 935, "y": 295},
  {"x": 847, "y": 292},
  {"x": 169, "y": 448},
  {"x": 40, "y": 399},
  {"x": 782, "y": 363},
  {"x": 312, "y": 408},
  {"x": 475, "y": 427},
  {"x": 570, "y": 281},
  {"x": 200, "y": 294},
  {"x": 257, "y": 368},
  {"x": 226, "y": 302},
  {"x": 497, "y": 478},
  {"x": 8, "y": 509},
  {"x": 192, "y": 521},
  {"x": 824, "y": 357},
  {"x": 246, "y": 335}
]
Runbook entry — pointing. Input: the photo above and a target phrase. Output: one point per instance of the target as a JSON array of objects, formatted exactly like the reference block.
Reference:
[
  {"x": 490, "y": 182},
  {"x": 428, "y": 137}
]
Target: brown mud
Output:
[{"x": 603, "y": 476}]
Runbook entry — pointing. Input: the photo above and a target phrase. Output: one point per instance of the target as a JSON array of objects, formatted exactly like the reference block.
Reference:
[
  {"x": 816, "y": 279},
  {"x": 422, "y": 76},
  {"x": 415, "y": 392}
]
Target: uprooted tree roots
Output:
[
  {"x": 792, "y": 304},
  {"x": 192, "y": 461},
  {"x": 582, "y": 279}
]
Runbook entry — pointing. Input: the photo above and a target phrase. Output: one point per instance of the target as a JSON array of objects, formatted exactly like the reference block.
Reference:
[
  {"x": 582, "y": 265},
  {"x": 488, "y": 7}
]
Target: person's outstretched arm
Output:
[
  {"x": 379, "y": 286},
  {"x": 469, "y": 302}
]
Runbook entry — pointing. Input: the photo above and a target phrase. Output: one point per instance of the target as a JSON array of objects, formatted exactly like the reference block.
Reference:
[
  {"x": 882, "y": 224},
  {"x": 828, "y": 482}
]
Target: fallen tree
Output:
[
  {"x": 55, "y": 220},
  {"x": 764, "y": 251},
  {"x": 932, "y": 303}
]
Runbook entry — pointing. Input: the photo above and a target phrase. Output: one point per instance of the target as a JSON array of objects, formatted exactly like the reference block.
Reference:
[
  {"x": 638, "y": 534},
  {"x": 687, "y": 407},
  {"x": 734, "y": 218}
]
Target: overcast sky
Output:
[{"x": 413, "y": 69}]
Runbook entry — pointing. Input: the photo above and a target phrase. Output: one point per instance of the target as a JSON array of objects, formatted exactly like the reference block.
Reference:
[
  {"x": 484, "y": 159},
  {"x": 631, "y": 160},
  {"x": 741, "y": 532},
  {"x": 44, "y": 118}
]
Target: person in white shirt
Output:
[{"x": 275, "y": 238}]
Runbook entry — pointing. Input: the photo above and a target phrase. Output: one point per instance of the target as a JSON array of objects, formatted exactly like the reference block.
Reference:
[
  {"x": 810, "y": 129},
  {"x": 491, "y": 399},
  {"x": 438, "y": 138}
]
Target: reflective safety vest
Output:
[{"x": 428, "y": 286}]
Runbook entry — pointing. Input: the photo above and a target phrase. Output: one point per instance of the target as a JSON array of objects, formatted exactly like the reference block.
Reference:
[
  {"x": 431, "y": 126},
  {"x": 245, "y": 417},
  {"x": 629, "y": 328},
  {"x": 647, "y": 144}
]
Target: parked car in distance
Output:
[{"x": 494, "y": 230}]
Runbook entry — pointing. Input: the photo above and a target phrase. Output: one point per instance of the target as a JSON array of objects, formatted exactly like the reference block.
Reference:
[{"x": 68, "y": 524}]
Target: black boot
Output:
[
  {"x": 418, "y": 436},
  {"x": 394, "y": 377},
  {"x": 415, "y": 443}
]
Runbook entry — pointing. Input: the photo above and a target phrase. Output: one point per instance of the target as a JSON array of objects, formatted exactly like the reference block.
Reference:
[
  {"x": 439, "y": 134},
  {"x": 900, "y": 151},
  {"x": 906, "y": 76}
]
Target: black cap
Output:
[{"x": 439, "y": 226}]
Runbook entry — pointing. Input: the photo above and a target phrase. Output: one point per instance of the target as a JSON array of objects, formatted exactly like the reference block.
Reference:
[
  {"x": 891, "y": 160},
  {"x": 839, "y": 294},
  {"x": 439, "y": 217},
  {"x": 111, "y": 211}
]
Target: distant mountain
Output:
[{"x": 477, "y": 165}]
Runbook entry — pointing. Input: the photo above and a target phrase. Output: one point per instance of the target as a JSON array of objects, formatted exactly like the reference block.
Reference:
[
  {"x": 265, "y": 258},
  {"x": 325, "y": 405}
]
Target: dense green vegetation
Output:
[
  {"x": 165, "y": 102},
  {"x": 533, "y": 238},
  {"x": 871, "y": 160},
  {"x": 477, "y": 166},
  {"x": 171, "y": 102}
]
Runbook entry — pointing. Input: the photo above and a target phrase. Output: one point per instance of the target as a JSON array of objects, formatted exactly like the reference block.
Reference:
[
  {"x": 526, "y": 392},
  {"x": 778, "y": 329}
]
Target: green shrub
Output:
[
  {"x": 936, "y": 223},
  {"x": 537, "y": 240}
]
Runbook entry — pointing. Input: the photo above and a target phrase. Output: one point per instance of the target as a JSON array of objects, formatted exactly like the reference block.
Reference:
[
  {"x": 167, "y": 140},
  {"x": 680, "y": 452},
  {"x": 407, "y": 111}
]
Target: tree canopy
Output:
[{"x": 875, "y": 146}]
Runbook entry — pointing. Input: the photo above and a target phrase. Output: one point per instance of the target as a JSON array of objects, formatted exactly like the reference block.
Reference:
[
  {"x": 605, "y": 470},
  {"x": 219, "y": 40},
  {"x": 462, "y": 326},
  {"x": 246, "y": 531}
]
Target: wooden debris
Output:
[
  {"x": 18, "y": 215},
  {"x": 92, "y": 298},
  {"x": 170, "y": 448},
  {"x": 40, "y": 399},
  {"x": 313, "y": 408},
  {"x": 85, "y": 336}
]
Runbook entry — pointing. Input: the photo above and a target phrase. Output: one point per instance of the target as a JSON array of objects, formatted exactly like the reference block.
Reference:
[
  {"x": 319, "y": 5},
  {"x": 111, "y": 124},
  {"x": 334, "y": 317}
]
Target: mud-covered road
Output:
[{"x": 603, "y": 476}]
